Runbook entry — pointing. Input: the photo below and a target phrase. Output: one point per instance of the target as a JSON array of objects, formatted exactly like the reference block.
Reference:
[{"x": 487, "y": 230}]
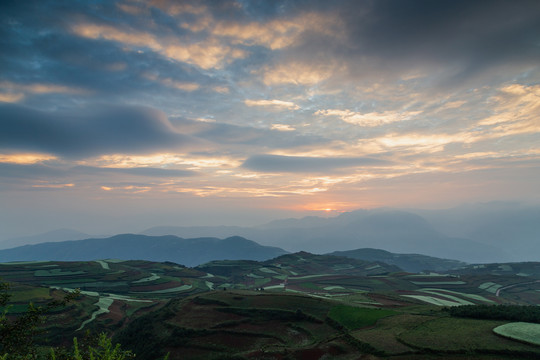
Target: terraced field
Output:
[{"x": 301, "y": 304}]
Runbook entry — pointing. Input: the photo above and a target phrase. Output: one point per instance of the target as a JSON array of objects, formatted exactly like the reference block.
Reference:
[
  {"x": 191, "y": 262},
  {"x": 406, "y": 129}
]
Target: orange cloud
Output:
[
  {"x": 11, "y": 97},
  {"x": 207, "y": 54},
  {"x": 282, "y": 127},
  {"x": 53, "y": 186},
  {"x": 297, "y": 73},
  {"x": 369, "y": 119},
  {"x": 36, "y": 88},
  {"x": 273, "y": 103},
  {"x": 25, "y": 158}
]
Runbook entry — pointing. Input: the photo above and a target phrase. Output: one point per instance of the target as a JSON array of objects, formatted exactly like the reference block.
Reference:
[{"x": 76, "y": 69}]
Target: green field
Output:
[
  {"x": 526, "y": 332},
  {"x": 356, "y": 317},
  {"x": 445, "y": 334}
]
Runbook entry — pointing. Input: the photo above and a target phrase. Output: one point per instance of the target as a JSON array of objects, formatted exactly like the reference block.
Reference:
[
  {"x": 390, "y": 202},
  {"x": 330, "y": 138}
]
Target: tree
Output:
[
  {"x": 17, "y": 334},
  {"x": 102, "y": 349}
]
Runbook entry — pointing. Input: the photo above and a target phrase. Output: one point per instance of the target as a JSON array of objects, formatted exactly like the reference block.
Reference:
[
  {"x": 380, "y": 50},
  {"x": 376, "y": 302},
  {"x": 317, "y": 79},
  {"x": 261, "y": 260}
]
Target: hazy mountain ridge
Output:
[
  {"x": 478, "y": 233},
  {"x": 50, "y": 236},
  {"x": 392, "y": 230},
  {"x": 511, "y": 226},
  {"x": 189, "y": 252}
]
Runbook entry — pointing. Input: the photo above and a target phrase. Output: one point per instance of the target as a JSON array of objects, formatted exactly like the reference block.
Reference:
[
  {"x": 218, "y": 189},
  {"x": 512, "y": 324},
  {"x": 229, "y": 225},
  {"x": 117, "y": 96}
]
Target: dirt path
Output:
[{"x": 497, "y": 293}]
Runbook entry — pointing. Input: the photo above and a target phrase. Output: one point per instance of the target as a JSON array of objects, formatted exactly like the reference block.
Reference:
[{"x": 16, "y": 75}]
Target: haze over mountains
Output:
[
  {"x": 392, "y": 230},
  {"x": 480, "y": 233}
]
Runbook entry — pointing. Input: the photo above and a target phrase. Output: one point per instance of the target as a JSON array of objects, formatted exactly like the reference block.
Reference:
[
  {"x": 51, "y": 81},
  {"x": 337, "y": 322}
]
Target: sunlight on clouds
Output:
[
  {"x": 369, "y": 119},
  {"x": 517, "y": 104},
  {"x": 25, "y": 158},
  {"x": 423, "y": 141},
  {"x": 180, "y": 85},
  {"x": 129, "y": 189},
  {"x": 39, "y": 88},
  {"x": 275, "y": 34},
  {"x": 199, "y": 24},
  {"x": 174, "y": 8},
  {"x": 206, "y": 54},
  {"x": 53, "y": 186},
  {"x": 11, "y": 97},
  {"x": 273, "y": 103},
  {"x": 221, "y": 89},
  {"x": 297, "y": 73},
  {"x": 476, "y": 155},
  {"x": 106, "y": 32},
  {"x": 413, "y": 142},
  {"x": 452, "y": 105},
  {"x": 279, "y": 33},
  {"x": 166, "y": 160},
  {"x": 282, "y": 127},
  {"x": 517, "y": 89}
]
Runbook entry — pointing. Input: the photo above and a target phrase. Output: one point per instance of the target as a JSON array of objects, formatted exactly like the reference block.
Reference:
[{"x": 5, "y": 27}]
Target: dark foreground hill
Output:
[
  {"x": 189, "y": 252},
  {"x": 408, "y": 262}
]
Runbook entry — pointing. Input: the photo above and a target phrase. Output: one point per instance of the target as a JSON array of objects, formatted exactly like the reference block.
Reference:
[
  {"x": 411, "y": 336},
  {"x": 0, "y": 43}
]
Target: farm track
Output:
[{"x": 497, "y": 293}]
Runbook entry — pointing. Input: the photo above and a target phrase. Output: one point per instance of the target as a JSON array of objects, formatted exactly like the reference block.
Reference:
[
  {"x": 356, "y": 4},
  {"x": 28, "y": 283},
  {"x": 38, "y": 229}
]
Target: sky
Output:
[{"x": 120, "y": 115}]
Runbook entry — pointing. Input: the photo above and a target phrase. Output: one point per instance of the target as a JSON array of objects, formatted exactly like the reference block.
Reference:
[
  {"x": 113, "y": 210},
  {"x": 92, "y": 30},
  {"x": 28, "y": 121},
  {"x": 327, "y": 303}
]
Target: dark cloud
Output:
[
  {"x": 86, "y": 132},
  {"x": 32, "y": 171},
  {"x": 303, "y": 164},
  {"x": 468, "y": 35}
]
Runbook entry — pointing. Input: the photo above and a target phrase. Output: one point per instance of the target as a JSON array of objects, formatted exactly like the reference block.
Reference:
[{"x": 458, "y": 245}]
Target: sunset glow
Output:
[{"x": 131, "y": 114}]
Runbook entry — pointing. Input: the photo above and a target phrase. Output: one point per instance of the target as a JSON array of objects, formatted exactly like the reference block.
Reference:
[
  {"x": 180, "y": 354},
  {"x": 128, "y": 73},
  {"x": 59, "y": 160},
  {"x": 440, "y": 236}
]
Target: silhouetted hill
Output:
[
  {"x": 189, "y": 252},
  {"x": 407, "y": 262}
]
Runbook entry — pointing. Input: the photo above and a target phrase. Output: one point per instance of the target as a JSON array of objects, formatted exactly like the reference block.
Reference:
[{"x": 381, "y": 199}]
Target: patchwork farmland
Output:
[{"x": 299, "y": 304}]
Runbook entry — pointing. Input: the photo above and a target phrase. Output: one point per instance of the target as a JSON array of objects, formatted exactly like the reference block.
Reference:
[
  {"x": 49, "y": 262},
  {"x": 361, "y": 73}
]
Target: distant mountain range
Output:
[
  {"x": 391, "y": 230},
  {"x": 197, "y": 251},
  {"x": 479, "y": 233},
  {"x": 188, "y": 252}
]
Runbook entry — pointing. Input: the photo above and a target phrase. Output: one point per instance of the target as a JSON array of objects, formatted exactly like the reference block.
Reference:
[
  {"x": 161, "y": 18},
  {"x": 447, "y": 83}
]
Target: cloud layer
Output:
[{"x": 268, "y": 105}]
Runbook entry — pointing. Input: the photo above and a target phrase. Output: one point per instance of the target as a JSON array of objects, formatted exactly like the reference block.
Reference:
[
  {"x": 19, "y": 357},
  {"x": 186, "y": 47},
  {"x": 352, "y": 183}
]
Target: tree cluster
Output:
[{"x": 521, "y": 313}]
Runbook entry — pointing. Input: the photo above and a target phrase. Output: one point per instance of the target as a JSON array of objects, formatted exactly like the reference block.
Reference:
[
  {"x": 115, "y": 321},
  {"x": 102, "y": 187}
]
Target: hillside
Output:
[
  {"x": 297, "y": 265},
  {"x": 297, "y": 306},
  {"x": 189, "y": 252},
  {"x": 407, "y": 262},
  {"x": 251, "y": 325}
]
